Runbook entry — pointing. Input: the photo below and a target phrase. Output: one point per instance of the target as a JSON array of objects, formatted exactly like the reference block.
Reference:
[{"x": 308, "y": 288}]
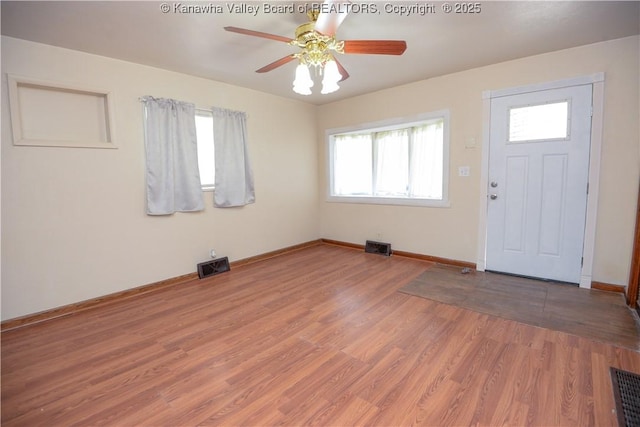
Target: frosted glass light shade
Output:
[
  {"x": 302, "y": 83},
  {"x": 331, "y": 78}
]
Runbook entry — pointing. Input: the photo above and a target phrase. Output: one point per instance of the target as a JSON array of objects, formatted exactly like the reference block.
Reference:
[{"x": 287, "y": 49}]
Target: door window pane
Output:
[{"x": 539, "y": 122}]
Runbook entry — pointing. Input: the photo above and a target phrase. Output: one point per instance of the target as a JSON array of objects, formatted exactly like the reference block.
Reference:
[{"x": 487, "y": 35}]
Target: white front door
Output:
[{"x": 538, "y": 183}]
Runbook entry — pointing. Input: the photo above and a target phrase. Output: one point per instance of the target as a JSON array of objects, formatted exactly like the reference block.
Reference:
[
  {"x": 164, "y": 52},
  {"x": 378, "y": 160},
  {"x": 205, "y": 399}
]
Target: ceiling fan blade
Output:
[
  {"x": 332, "y": 13},
  {"x": 379, "y": 47},
  {"x": 258, "y": 34},
  {"x": 342, "y": 70},
  {"x": 276, "y": 64}
]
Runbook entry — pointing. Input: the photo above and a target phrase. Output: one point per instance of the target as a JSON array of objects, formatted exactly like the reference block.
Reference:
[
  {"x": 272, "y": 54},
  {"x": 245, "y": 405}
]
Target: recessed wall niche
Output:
[{"x": 58, "y": 115}]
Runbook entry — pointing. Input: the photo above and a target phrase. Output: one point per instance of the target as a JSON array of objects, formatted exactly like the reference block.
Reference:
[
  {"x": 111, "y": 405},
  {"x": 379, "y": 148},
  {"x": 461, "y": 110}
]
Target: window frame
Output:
[{"x": 385, "y": 125}]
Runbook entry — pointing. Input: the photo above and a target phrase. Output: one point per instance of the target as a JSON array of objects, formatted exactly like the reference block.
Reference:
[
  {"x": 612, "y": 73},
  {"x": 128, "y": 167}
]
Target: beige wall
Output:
[
  {"x": 452, "y": 232},
  {"x": 73, "y": 220}
]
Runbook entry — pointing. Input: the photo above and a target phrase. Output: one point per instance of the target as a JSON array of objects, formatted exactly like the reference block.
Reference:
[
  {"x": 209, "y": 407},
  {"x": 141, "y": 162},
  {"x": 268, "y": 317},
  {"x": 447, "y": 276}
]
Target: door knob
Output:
[
  {"x": 494, "y": 184},
  {"x": 493, "y": 196}
]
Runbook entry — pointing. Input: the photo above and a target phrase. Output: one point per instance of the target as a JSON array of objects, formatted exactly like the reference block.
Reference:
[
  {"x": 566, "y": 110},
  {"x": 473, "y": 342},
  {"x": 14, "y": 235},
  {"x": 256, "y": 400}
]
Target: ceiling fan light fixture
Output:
[
  {"x": 303, "y": 82},
  {"x": 317, "y": 42}
]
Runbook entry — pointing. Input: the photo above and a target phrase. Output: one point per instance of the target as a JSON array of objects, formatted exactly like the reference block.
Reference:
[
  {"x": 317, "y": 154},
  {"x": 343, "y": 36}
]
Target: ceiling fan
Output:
[{"x": 318, "y": 46}]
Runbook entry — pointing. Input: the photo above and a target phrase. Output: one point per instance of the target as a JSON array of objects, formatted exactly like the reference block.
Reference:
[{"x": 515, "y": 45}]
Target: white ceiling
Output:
[{"x": 437, "y": 43}]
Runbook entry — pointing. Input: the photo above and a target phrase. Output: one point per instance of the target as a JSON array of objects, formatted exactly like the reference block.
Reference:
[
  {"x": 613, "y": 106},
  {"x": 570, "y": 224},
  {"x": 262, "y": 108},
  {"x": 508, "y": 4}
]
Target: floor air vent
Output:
[
  {"x": 378, "y": 248},
  {"x": 213, "y": 267},
  {"x": 626, "y": 392}
]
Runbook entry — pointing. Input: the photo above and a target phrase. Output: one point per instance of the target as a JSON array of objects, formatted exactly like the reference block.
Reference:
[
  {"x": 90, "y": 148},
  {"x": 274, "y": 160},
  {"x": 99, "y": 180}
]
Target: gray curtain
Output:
[
  {"x": 234, "y": 178},
  {"x": 173, "y": 180}
]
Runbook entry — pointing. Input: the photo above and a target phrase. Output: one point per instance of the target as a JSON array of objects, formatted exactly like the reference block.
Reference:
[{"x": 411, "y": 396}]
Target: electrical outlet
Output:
[{"x": 464, "y": 171}]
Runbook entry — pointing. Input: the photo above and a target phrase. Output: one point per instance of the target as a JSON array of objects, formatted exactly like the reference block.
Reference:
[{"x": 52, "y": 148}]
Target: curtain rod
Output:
[{"x": 142, "y": 98}]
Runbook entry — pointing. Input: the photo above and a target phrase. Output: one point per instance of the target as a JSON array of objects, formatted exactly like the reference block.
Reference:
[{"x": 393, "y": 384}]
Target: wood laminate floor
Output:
[{"x": 319, "y": 336}]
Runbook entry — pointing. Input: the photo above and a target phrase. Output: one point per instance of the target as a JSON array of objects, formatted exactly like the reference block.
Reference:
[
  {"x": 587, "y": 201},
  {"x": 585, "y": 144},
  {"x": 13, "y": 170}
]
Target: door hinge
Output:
[
  {"x": 587, "y": 188},
  {"x": 582, "y": 262}
]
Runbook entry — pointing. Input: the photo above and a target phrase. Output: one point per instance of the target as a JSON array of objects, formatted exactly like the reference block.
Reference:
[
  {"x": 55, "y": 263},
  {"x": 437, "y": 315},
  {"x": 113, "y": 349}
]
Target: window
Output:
[
  {"x": 402, "y": 162},
  {"x": 206, "y": 152},
  {"x": 539, "y": 122}
]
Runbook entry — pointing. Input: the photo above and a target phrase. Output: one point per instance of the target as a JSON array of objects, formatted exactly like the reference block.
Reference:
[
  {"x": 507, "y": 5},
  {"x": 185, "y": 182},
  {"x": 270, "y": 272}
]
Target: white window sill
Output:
[{"x": 398, "y": 201}]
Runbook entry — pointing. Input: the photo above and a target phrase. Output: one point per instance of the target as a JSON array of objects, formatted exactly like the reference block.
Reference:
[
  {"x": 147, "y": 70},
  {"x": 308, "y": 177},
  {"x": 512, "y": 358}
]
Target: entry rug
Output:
[{"x": 626, "y": 391}]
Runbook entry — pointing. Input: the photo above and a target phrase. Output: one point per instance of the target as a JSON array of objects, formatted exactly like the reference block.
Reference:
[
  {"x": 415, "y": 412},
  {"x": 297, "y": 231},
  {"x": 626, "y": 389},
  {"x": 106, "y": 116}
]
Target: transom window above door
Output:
[{"x": 542, "y": 122}]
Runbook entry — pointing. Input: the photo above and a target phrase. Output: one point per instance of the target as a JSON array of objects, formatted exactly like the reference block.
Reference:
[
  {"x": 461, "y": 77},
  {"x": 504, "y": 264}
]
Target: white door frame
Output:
[{"x": 597, "y": 81}]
